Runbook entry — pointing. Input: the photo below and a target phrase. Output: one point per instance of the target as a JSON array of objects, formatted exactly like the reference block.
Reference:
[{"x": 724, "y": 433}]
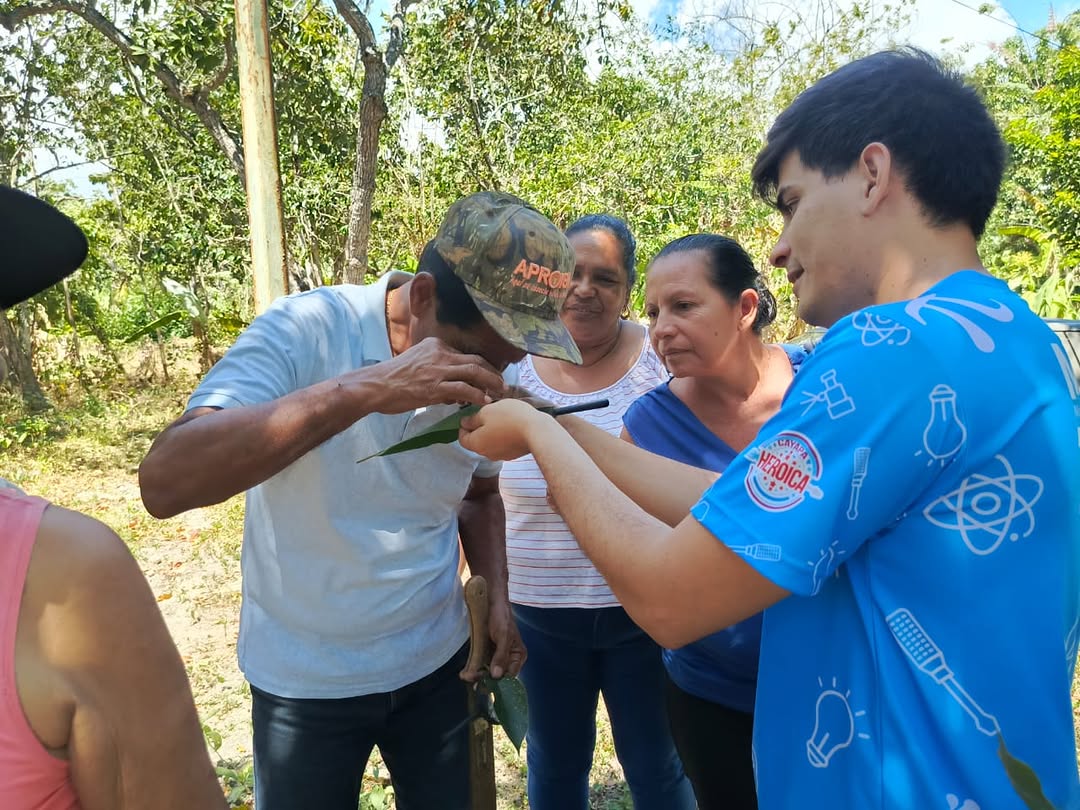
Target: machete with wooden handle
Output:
[{"x": 481, "y": 747}]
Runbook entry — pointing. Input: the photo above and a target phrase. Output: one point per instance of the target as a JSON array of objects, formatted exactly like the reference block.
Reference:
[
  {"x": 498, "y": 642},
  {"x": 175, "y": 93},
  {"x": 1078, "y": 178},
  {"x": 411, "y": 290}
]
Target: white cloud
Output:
[{"x": 939, "y": 26}]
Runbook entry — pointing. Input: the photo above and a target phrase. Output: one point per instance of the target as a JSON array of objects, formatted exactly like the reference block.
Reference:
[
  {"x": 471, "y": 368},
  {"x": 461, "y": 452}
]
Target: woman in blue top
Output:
[{"x": 707, "y": 306}]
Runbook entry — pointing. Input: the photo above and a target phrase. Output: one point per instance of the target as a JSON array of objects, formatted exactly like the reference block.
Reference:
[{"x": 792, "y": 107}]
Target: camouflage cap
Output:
[{"x": 516, "y": 266}]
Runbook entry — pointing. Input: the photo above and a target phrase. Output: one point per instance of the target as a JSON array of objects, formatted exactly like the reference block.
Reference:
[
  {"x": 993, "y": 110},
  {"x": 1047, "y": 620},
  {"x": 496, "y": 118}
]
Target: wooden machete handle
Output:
[{"x": 476, "y": 600}]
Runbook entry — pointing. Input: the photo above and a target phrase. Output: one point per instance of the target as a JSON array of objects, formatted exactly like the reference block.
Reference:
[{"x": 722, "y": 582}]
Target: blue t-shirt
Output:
[
  {"x": 722, "y": 667},
  {"x": 921, "y": 483}
]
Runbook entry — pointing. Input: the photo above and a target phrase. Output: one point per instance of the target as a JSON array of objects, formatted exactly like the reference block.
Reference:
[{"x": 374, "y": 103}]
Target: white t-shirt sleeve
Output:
[{"x": 272, "y": 357}]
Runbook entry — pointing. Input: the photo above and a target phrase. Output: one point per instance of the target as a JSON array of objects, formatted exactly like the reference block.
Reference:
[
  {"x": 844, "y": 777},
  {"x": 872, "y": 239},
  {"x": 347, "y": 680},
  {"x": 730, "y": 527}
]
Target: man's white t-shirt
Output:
[{"x": 350, "y": 582}]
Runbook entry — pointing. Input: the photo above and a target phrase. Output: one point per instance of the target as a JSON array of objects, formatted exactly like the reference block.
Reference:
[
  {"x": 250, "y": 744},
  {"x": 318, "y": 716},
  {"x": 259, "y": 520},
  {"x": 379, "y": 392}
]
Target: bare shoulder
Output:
[
  {"x": 77, "y": 538},
  {"x": 78, "y": 557},
  {"x": 85, "y": 571},
  {"x": 135, "y": 739}
]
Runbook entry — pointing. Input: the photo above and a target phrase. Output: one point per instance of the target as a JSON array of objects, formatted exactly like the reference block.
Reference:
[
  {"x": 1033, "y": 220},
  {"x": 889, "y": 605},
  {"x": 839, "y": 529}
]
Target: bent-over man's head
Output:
[{"x": 498, "y": 260}]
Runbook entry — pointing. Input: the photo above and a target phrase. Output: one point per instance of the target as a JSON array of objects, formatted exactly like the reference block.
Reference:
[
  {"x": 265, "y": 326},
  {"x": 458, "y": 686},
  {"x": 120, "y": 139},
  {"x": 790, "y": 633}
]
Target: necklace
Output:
[{"x": 610, "y": 349}]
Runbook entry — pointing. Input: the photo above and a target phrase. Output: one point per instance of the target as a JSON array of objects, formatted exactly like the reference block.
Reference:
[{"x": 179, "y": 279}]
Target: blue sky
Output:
[
  {"x": 957, "y": 20},
  {"x": 1033, "y": 14}
]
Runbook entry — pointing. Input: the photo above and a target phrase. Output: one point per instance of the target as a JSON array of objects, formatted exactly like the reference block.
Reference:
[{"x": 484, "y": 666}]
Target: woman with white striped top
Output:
[{"x": 581, "y": 642}]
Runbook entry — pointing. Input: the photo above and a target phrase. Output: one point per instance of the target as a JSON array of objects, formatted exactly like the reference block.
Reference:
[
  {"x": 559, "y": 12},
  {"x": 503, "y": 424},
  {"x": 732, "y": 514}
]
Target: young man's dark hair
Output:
[
  {"x": 455, "y": 307},
  {"x": 943, "y": 140}
]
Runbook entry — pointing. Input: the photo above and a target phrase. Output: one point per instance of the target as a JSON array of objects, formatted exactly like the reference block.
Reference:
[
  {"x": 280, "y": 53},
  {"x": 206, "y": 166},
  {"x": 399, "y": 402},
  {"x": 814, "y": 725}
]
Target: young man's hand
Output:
[{"x": 504, "y": 430}]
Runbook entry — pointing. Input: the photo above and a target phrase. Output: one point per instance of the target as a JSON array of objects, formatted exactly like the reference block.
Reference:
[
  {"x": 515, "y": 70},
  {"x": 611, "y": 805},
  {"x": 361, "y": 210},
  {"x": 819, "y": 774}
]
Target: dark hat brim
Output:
[
  {"x": 533, "y": 334},
  {"x": 41, "y": 246}
]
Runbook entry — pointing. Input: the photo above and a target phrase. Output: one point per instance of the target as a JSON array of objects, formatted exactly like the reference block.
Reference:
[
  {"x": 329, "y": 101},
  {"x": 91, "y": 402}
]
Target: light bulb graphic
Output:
[
  {"x": 945, "y": 434},
  {"x": 834, "y": 728}
]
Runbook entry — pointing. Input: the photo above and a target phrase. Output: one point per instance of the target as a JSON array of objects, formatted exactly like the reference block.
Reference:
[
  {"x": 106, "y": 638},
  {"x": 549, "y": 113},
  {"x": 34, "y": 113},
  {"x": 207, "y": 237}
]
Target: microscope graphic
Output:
[{"x": 834, "y": 396}]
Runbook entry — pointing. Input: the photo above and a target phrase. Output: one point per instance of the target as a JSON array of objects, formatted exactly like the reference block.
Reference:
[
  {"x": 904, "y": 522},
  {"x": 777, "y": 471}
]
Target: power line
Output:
[{"x": 1056, "y": 46}]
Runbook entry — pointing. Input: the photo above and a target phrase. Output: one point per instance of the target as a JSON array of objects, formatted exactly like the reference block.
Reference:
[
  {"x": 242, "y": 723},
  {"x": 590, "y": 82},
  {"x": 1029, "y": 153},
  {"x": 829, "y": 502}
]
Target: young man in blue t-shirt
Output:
[{"x": 919, "y": 487}]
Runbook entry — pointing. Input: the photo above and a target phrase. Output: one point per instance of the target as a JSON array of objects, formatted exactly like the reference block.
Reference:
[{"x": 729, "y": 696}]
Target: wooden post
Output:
[{"x": 261, "y": 170}]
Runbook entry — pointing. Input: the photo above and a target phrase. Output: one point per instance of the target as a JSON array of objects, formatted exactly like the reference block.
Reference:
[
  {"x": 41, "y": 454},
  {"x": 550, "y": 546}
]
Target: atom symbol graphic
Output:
[
  {"x": 877, "y": 329},
  {"x": 986, "y": 510}
]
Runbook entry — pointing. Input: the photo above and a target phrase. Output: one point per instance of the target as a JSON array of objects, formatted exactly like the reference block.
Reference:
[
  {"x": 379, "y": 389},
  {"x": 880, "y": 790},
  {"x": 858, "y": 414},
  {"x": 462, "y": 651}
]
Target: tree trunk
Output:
[
  {"x": 372, "y": 114},
  {"x": 19, "y": 362},
  {"x": 69, "y": 316}
]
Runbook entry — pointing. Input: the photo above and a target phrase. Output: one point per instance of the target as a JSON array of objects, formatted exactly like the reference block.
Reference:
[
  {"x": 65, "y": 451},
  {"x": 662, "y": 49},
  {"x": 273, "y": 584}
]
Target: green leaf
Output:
[
  {"x": 154, "y": 326},
  {"x": 1023, "y": 778},
  {"x": 186, "y": 296},
  {"x": 213, "y": 738},
  {"x": 1035, "y": 234},
  {"x": 444, "y": 431},
  {"x": 231, "y": 324},
  {"x": 511, "y": 707}
]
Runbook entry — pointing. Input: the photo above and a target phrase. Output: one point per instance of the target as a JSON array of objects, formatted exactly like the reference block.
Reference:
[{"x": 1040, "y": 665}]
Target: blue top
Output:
[
  {"x": 722, "y": 667},
  {"x": 921, "y": 488}
]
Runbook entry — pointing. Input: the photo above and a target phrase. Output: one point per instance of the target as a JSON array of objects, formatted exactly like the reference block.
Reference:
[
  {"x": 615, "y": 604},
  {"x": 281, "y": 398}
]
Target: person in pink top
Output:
[{"x": 95, "y": 708}]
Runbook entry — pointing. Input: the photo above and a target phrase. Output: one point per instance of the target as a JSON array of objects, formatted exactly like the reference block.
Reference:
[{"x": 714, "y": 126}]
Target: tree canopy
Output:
[{"x": 577, "y": 106}]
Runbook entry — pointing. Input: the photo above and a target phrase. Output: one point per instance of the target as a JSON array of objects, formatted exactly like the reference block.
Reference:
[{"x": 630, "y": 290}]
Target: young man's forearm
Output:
[
  {"x": 619, "y": 537},
  {"x": 212, "y": 454},
  {"x": 678, "y": 584},
  {"x": 664, "y": 488}
]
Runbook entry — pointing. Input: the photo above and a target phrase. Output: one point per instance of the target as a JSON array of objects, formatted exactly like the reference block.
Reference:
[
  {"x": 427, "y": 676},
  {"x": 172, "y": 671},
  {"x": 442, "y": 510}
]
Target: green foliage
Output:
[
  {"x": 237, "y": 778},
  {"x": 27, "y": 430},
  {"x": 377, "y": 797},
  {"x": 1034, "y": 236}
]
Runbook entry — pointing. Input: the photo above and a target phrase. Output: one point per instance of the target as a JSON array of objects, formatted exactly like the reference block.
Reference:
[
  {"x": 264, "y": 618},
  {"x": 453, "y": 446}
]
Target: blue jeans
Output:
[
  {"x": 575, "y": 655},
  {"x": 312, "y": 753}
]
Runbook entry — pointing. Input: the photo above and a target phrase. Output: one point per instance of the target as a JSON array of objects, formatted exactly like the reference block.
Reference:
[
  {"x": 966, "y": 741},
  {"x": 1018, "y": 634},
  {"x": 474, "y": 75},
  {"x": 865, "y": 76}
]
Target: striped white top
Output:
[{"x": 547, "y": 568}]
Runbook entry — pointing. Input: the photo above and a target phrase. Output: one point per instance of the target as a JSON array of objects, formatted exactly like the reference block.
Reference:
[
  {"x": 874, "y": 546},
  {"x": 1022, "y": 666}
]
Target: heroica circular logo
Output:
[{"x": 783, "y": 471}]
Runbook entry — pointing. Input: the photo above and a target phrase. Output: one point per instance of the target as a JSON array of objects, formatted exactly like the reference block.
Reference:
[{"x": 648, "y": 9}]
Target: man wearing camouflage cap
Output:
[{"x": 353, "y": 628}]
